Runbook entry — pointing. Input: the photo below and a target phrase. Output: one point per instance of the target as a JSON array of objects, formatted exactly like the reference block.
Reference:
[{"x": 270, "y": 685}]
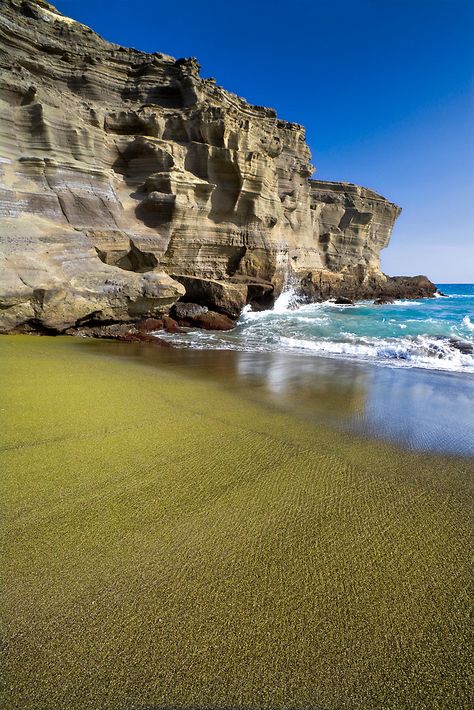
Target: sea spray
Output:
[
  {"x": 287, "y": 301},
  {"x": 466, "y": 321},
  {"x": 433, "y": 334}
]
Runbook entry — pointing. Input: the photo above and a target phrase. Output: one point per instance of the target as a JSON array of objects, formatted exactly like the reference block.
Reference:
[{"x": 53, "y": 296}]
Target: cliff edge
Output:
[{"x": 128, "y": 182}]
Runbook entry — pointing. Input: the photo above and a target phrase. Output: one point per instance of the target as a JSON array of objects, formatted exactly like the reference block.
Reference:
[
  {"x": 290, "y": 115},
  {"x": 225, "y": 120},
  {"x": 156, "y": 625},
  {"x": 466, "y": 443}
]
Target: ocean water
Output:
[{"x": 434, "y": 334}]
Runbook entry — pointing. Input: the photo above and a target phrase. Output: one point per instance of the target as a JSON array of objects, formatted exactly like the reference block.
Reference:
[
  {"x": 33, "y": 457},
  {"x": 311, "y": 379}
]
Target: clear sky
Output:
[{"x": 385, "y": 89}]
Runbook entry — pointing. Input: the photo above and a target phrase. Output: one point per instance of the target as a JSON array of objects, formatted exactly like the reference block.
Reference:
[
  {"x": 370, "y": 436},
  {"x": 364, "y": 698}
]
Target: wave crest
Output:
[{"x": 421, "y": 351}]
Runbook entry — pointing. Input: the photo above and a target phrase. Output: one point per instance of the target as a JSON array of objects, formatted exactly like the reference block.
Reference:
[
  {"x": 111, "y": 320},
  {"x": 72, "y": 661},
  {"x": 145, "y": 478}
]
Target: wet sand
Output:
[{"x": 179, "y": 536}]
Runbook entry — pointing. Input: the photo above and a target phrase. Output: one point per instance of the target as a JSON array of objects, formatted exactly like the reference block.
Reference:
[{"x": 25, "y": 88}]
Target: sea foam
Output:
[{"x": 432, "y": 334}]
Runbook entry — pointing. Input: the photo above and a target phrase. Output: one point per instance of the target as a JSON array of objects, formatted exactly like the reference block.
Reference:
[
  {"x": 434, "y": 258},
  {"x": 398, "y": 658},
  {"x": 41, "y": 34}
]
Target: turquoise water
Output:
[{"x": 432, "y": 333}]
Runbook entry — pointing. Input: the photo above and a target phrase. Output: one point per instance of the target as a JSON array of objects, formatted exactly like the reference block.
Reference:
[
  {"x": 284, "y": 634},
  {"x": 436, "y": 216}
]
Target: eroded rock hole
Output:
[{"x": 134, "y": 260}]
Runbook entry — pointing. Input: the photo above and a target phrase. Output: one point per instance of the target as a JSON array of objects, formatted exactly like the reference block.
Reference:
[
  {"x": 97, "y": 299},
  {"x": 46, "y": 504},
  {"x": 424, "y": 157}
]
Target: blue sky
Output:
[{"x": 384, "y": 88}]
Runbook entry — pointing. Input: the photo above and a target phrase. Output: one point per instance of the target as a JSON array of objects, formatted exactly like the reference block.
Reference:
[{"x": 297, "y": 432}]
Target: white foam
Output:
[
  {"x": 249, "y": 315},
  {"x": 466, "y": 321},
  {"x": 323, "y": 329},
  {"x": 286, "y": 301},
  {"x": 402, "y": 302},
  {"x": 422, "y": 351},
  {"x": 313, "y": 320}
]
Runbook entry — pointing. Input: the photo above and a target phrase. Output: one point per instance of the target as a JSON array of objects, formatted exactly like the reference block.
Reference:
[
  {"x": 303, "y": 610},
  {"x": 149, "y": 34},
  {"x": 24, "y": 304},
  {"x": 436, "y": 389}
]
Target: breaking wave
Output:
[
  {"x": 468, "y": 323},
  {"x": 421, "y": 351},
  {"x": 432, "y": 333}
]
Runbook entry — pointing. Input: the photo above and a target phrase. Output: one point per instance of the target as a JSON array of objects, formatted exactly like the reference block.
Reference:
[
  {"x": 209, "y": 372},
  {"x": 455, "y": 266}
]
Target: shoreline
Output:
[
  {"x": 157, "y": 331},
  {"x": 249, "y": 371},
  {"x": 186, "y": 546},
  {"x": 372, "y": 400}
]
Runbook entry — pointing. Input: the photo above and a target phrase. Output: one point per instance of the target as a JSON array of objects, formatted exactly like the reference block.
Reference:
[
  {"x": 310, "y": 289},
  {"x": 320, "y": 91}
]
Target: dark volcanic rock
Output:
[
  {"x": 193, "y": 315},
  {"x": 341, "y": 301},
  {"x": 383, "y": 300},
  {"x": 187, "y": 311},
  {"x": 461, "y": 345},
  {"x": 260, "y": 295},
  {"x": 356, "y": 285},
  {"x": 143, "y": 338},
  {"x": 213, "y": 321},
  {"x": 170, "y": 325},
  {"x": 119, "y": 331},
  {"x": 408, "y": 287},
  {"x": 223, "y": 297},
  {"x": 148, "y": 325}
]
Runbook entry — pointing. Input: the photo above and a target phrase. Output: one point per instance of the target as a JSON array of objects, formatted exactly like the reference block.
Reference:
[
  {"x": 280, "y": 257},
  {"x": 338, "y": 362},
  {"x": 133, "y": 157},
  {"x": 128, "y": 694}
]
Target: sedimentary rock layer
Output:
[
  {"x": 351, "y": 225},
  {"x": 126, "y": 179}
]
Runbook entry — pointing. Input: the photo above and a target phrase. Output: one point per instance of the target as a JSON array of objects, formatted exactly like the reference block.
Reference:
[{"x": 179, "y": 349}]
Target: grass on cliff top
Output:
[{"x": 167, "y": 544}]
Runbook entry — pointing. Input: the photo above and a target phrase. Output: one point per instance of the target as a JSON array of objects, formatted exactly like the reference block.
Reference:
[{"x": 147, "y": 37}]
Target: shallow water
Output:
[
  {"x": 404, "y": 334},
  {"x": 416, "y": 408},
  {"x": 179, "y": 535}
]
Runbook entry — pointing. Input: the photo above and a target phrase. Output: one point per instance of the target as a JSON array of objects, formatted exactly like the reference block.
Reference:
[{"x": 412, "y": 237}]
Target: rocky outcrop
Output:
[
  {"x": 127, "y": 182},
  {"x": 194, "y": 315},
  {"x": 227, "y": 297},
  {"x": 351, "y": 225}
]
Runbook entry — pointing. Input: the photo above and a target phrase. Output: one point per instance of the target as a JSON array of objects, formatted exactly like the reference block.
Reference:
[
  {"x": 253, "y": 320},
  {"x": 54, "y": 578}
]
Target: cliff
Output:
[
  {"x": 127, "y": 182},
  {"x": 351, "y": 225}
]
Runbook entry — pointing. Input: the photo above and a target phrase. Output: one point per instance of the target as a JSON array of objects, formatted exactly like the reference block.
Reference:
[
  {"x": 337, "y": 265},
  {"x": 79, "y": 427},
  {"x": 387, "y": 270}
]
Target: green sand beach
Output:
[{"x": 172, "y": 541}]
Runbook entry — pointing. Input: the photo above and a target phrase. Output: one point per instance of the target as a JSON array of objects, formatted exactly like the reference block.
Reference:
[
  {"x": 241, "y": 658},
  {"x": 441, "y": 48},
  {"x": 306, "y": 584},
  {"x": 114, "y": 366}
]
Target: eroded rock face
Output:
[
  {"x": 120, "y": 168},
  {"x": 351, "y": 224}
]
